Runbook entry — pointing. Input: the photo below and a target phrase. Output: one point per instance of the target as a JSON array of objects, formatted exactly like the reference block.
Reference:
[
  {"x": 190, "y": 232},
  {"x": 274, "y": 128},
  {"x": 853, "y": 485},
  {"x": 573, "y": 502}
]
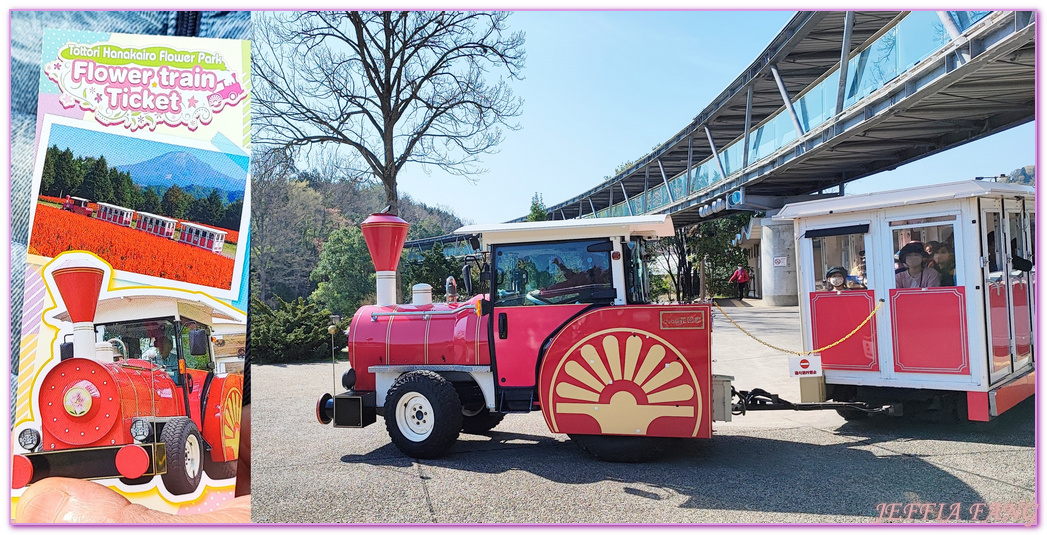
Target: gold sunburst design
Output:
[
  {"x": 626, "y": 411},
  {"x": 231, "y": 411}
]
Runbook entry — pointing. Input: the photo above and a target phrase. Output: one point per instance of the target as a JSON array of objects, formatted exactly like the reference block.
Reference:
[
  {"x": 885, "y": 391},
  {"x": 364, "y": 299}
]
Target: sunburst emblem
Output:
[
  {"x": 231, "y": 411},
  {"x": 625, "y": 392}
]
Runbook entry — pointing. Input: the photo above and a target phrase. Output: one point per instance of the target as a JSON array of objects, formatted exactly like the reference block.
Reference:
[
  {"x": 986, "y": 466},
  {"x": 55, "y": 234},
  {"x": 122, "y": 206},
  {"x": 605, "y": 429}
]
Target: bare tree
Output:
[{"x": 390, "y": 87}]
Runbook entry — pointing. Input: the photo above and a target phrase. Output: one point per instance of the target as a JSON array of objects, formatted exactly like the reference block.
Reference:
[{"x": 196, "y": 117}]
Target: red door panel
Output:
[
  {"x": 516, "y": 356},
  {"x": 929, "y": 327},
  {"x": 836, "y": 314}
]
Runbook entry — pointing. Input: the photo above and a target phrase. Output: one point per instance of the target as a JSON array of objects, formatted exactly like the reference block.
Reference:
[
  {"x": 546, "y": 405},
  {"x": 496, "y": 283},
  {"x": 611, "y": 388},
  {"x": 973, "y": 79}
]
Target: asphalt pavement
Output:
[{"x": 769, "y": 467}]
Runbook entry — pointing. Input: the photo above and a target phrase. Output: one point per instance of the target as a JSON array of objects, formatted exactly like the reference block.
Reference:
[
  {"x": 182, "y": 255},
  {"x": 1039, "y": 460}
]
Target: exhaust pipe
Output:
[
  {"x": 79, "y": 282},
  {"x": 385, "y": 235}
]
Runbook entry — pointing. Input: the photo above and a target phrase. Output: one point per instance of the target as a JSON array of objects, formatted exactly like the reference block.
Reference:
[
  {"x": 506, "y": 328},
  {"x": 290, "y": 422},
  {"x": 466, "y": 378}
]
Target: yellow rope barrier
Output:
[{"x": 820, "y": 349}]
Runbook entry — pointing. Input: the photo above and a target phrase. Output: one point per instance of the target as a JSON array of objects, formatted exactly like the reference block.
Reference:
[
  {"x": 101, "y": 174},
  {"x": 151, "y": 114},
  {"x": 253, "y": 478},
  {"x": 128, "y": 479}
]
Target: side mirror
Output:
[
  {"x": 467, "y": 279},
  {"x": 198, "y": 342},
  {"x": 65, "y": 350}
]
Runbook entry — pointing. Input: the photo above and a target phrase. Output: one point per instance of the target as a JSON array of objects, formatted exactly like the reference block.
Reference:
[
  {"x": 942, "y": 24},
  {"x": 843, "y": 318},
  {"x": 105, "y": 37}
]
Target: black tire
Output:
[
  {"x": 423, "y": 414},
  {"x": 852, "y": 415},
  {"x": 185, "y": 452},
  {"x": 622, "y": 449},
  {"x": 219, "y": 470},
  {"x": 480, "y": 421}
]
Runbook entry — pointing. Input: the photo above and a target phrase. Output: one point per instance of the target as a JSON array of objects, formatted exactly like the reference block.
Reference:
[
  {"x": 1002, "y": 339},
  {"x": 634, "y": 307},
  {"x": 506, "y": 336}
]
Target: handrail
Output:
[{"x": 423, "y": 313}]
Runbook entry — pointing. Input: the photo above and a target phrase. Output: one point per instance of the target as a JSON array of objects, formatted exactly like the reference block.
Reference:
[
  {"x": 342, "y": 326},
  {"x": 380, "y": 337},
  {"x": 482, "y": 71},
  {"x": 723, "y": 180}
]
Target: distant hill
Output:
[
  {"x": 184, "y": 170},
  {"x": 1022, "y": 175}
]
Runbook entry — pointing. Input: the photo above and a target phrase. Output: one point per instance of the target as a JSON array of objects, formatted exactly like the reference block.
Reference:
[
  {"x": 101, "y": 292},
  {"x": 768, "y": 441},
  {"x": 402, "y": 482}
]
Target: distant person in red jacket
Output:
[{"x": 741, "y": 278}]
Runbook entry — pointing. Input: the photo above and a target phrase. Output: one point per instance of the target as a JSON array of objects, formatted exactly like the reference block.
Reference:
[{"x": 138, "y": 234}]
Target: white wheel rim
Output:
[
  {"x": 192, "y": 456},
  {"x": 414, "y": 417}
]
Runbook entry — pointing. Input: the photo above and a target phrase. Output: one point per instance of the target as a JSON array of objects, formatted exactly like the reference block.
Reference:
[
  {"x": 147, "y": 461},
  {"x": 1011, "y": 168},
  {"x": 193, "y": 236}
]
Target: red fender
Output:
[{"x": 639, "y": 370}]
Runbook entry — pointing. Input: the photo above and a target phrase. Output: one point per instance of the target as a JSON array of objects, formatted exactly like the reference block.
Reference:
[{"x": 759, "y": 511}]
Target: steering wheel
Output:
[{"x": 532, "y": 296}]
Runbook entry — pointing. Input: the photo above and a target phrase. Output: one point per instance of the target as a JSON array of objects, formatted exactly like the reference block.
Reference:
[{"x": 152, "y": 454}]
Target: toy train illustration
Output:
[
  {"x": 193, "y": 234},
  {"x": 136, "y": 393}
]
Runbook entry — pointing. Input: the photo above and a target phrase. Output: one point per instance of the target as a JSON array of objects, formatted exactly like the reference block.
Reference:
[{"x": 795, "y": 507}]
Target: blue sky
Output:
[
  {"x": 122, "y": 150},
  {"x": 605, "y": 87}
]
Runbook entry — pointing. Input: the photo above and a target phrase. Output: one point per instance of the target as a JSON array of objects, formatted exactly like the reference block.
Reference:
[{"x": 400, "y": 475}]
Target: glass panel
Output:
[
  {"x": 919, "y": 34},
  {"x": 839, "y": 262},
  {"x": 915, "y": 264},
  {"x": 679, "y": 185},
  {"x": 636, "y": 277},
  {"x": 656, "y": 197},
  {"x": 819, "y": 104},
  {"x": 965, "y": 19},
  {"x": 1021, "y": 265},
  {"x": 996, "y": 289},
  {"x": 732, "y": 157},
  {"x": 619, "y": 210},
  {"x": 637, "y": 204},
  {"x": 553, "y": 273},
  {"x": 149, "y": 340}
]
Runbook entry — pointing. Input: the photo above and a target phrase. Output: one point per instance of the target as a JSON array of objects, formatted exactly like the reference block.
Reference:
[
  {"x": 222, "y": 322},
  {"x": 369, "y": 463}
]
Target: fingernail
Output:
[{"x": 45, "y": 508}]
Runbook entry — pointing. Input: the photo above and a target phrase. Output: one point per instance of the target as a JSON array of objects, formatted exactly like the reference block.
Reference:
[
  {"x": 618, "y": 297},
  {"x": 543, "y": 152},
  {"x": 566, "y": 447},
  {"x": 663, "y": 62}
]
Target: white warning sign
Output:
[{"x": 805, "y": 366}]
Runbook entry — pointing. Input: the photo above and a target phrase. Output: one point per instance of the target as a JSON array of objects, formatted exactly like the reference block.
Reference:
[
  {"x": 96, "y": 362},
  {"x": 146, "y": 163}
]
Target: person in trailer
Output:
[
  {"x": 945, "y": 263},
  {"x": 859, "y": 278},
  {"x": 836, "y": 279},
  {"x": 916, "y": 274}
]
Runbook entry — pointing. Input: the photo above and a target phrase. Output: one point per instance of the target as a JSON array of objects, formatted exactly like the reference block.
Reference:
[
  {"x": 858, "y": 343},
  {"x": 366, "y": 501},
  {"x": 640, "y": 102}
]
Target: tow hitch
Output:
[{"x": 758, "y": 399}]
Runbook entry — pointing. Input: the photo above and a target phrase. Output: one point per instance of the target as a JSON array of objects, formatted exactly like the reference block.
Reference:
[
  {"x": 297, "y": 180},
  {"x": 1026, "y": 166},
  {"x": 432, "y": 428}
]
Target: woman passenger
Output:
[{"x": 915, "y": 275}]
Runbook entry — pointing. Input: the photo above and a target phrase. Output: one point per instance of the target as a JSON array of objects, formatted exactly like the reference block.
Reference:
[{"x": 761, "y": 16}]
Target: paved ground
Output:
[{"x": 779, "y": 467}]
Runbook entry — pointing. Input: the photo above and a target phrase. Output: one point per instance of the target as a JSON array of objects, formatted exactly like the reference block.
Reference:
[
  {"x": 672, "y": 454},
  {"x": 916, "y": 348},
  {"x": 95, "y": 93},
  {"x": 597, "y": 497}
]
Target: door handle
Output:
[{"x": 503, "y": 326}]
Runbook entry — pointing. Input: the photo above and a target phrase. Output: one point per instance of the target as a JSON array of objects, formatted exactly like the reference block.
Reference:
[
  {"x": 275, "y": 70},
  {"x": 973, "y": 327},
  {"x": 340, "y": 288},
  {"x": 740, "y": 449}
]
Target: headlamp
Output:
[
  {"x": 29, "y": 439},
  {"x": 141, "y": 430}
]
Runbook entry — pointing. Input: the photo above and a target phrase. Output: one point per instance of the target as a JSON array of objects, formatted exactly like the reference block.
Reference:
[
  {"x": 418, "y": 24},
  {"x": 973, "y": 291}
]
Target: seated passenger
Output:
[
  {"x": 915, "y": 275},
  {"x": 945, "y": 263},
  {"x": 836, "y": 278}
]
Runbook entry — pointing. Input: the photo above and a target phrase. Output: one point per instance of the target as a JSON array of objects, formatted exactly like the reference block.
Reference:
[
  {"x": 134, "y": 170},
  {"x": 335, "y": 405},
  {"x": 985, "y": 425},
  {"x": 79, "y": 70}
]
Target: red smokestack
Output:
[
  {"x": 79, "y": 284},
  {"x": 385, "y": 235}
]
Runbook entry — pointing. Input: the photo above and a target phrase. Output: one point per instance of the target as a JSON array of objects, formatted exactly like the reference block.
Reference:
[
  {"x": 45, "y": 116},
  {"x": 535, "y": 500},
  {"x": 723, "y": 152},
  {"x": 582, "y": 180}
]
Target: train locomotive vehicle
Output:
[
  {"x": 566, "y": 329},
  {"x": 956, "y": 345},
  {"x": 134, "y": 393}
]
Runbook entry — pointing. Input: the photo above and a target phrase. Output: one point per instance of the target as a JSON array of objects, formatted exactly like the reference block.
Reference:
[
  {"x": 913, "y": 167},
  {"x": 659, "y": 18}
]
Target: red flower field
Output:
[{"x": 56, "y": 231}]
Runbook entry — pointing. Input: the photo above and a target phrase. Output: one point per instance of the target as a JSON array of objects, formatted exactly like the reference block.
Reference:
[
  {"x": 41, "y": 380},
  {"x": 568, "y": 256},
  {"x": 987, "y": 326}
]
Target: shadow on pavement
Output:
[{"x": 741, "y": 473}]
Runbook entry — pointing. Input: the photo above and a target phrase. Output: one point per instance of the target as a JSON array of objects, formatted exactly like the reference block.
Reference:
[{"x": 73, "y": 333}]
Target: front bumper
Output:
[{"x": 130, "y": 461}]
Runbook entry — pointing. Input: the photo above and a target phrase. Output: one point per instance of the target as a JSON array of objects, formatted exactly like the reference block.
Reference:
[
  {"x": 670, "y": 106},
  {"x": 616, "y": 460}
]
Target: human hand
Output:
[{"x": 60, "y": 499}]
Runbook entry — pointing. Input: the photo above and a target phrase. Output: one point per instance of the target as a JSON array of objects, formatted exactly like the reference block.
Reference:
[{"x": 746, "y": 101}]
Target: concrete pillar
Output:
[{"x": 778, "y": 240}]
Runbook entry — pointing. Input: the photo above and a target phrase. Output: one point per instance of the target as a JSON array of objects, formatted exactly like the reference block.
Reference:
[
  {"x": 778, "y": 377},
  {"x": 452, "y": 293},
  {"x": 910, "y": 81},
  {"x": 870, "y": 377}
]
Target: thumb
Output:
[{"x": 76, "y": 501}]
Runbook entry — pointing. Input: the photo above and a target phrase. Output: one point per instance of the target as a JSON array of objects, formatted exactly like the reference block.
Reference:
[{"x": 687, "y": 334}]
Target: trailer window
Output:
[
  {"x": 845, "y": 251},
  {"x": 553, "y": 273},
  {"x": 925, "y": 256}
]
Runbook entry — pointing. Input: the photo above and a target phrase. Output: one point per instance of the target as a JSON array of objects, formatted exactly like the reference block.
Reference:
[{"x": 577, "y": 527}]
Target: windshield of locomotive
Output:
[
  {"x": 151, "y": 340},
  {"x": 554, "y": 273}
]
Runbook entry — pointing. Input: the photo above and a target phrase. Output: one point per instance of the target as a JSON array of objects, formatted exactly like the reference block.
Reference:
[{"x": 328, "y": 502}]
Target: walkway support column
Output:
[
  {"x": 845, "y": 53},
  {"x": 787, "y": 100},
  {"x": 777, "y": 240}
]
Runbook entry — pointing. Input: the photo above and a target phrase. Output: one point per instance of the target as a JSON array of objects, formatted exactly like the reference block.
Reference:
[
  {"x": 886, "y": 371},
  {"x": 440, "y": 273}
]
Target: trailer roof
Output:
[
  {"x": 647, "y": 226},
  {"x": 129, "y": 307},
  {"x": 902, "y": 197}
]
